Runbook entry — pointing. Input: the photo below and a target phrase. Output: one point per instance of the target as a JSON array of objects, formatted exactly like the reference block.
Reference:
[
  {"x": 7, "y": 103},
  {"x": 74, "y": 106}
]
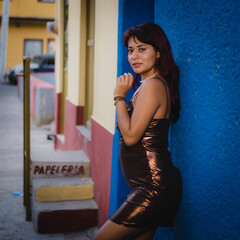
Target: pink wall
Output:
[
  {"x": 98, "y": 150},
  {"x": 101, "y": 168},
  {"x": 73, "y": 117}
]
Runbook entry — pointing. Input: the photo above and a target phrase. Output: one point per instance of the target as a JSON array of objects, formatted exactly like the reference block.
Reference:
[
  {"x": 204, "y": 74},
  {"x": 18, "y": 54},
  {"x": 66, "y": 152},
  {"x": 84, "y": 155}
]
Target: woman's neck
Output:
[{"x": 146, "y": 78}]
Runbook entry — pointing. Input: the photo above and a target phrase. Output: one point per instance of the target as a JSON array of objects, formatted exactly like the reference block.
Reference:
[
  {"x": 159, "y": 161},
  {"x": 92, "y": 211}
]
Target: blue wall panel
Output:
[{"x": 205, "y": 142}]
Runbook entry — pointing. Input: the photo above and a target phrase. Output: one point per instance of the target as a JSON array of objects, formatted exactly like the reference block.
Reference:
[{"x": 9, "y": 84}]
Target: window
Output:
[
  {"x": 32, "y": 48},
  {"x": 51, "y": 47},
  {"x": 48, "y": 63},
  {"x": 49, "y": 1},
  {"x": 65, "y": 29}
]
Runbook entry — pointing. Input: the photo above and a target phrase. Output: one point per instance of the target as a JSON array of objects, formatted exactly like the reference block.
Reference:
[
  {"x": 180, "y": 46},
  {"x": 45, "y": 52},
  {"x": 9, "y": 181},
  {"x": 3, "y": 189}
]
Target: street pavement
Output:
[{"x": 13, "y": 225}]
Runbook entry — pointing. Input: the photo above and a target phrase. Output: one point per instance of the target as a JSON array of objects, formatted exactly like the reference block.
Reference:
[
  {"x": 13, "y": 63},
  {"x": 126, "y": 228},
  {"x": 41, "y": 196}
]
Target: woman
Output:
[{"x": 144, "y": 123}]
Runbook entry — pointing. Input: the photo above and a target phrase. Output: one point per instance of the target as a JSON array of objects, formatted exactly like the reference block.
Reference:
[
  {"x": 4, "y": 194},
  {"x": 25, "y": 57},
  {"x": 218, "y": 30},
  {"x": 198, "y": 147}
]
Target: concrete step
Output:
[
  {"x": 47, "y": 162},
  {"x": 68, "y": 216},
  {"x": 50, "y": 163},
  {"x": 62, "y": 189},
  {"x": 84, "y": 134}
]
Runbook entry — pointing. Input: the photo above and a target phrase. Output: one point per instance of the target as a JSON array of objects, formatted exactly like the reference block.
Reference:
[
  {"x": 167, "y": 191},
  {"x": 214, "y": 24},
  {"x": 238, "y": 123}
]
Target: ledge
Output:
[
  {"x": 61, "y": 137},
  {"x": 30, "y": 19},
  {"x": 84, "y": 131}
]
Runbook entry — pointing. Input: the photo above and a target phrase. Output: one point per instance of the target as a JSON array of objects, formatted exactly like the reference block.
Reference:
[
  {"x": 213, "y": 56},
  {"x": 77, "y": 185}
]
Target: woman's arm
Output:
[{"x": 147, "y": 103}]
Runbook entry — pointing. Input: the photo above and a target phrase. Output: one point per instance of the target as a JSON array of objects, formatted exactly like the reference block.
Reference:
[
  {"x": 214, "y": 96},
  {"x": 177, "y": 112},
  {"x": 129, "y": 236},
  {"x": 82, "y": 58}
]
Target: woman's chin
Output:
[{"x": 137, "y": 71}]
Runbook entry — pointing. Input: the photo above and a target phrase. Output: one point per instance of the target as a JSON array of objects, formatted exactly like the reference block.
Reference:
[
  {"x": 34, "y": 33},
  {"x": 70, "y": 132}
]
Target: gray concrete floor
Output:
[{"x": 12, "y": 218}]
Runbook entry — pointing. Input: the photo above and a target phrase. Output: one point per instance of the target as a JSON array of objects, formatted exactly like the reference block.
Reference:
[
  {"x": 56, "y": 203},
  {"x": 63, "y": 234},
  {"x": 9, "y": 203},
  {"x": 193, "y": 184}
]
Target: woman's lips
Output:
[{"x": 136, "y": 65}]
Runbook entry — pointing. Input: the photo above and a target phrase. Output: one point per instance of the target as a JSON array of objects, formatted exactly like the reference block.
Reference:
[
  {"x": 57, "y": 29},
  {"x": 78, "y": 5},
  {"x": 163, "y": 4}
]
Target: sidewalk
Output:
[{"x": 12, "y": 218}]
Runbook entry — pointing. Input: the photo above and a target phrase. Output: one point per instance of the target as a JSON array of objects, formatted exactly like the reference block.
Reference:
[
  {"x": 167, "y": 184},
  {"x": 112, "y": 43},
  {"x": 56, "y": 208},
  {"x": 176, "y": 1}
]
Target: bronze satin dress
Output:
[{"x": 156, "y": 184}]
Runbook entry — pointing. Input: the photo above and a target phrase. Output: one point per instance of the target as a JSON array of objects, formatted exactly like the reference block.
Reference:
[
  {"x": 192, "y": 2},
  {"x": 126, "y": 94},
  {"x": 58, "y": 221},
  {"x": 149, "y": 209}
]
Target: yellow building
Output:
[{"x": 27, "y": 33}]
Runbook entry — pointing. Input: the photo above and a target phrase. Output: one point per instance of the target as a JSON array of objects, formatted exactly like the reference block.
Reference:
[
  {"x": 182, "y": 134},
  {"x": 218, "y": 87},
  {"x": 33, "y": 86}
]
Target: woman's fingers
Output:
[
  {"x": 124, "y": 84},
  {"x": 125, "y": 79},
  {"x": 130, "y": 80}
]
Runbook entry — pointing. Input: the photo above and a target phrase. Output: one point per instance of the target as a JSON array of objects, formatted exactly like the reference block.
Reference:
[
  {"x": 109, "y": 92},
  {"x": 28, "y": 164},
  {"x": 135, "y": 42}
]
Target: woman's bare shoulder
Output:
[{"x": 154, "y": 85}]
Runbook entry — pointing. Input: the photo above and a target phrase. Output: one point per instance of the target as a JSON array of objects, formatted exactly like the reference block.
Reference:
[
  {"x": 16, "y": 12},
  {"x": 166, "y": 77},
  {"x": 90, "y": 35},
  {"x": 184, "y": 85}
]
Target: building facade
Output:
[{"x": 27, "y": 35}]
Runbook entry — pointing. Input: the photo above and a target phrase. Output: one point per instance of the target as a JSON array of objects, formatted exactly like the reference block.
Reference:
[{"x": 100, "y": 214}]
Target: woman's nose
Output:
[{"x": 134, "y": 55}]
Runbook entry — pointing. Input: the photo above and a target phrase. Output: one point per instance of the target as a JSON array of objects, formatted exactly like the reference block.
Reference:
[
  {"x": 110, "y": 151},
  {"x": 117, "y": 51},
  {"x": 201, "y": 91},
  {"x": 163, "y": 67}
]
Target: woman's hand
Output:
[
  {"x": 151, "y": 98},
  {"x": 124, "y": 84}
]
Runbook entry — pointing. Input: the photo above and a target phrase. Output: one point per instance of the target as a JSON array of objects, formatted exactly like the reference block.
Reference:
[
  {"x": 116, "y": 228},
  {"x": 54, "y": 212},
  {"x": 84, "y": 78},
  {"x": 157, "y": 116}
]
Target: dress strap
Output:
[
  {"x": 135, "y": 94},
  {"x": 166, "y": 94}
]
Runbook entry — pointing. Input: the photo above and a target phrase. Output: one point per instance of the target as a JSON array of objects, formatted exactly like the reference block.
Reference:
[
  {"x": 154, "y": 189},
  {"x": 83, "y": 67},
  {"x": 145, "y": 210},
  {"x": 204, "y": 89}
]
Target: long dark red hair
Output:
[{"x": 151, "y": 33}]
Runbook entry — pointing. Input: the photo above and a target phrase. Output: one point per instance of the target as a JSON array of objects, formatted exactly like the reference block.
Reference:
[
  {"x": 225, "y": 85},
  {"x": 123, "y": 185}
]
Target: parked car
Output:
[
  {"x": 11, "y": 77},
  {"x": 45, "y": 63},
  {"x": 42, "y": 63}
]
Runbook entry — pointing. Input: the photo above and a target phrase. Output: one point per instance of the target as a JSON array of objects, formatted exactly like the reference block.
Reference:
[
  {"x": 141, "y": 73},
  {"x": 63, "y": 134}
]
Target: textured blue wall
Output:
[{"x": 205, "y": 142}]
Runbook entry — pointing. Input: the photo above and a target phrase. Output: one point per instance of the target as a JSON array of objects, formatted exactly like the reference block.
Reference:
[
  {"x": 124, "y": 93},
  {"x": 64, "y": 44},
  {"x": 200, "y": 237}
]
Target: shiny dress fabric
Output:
[{"x": 155, "y": 183}]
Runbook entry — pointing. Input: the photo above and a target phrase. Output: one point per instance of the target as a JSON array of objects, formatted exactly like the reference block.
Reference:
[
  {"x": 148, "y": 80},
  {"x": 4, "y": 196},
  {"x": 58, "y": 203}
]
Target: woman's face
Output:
[{"x": 142, "y": 57}]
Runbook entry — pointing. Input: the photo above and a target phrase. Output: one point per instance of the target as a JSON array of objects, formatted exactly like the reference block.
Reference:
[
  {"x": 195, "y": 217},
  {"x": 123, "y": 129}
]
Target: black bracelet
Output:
[{"x": 119, "y": 98}]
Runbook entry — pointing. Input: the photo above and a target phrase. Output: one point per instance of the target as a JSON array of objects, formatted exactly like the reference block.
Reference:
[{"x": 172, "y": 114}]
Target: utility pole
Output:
[{"x": 4, "y": 35}]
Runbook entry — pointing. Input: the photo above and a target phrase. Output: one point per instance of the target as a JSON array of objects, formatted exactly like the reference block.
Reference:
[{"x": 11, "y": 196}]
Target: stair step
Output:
[
  {"x": 84, "y": 134},
  {"x": 69, "y": 216},
  {"x": 62, "y": 189},
  {"x": 84, "y": 131},
  {"x": 47, "y": 164}
]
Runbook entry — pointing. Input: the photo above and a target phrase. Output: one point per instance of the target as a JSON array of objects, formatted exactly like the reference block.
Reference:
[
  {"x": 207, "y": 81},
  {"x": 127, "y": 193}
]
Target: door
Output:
[{"x": 89, "y": 62}]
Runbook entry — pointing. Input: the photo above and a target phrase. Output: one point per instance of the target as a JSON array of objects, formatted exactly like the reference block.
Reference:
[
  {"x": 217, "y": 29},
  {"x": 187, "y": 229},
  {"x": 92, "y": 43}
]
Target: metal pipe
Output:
[{"x": 26, "y": 140}]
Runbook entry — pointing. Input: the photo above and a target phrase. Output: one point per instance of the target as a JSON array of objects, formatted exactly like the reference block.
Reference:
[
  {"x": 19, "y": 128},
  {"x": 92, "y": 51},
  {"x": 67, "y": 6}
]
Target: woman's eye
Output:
[
  {"x": 130, "y": 50},
  {"x": 141, "y": 49}
]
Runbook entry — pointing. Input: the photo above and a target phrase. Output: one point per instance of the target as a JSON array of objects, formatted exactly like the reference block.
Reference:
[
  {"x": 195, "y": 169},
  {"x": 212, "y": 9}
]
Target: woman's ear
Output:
[{"x": 158, "y": 54}]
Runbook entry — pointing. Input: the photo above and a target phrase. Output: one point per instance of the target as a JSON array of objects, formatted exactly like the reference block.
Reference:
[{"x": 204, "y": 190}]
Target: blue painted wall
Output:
[{"x": 205, "y": 142}]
